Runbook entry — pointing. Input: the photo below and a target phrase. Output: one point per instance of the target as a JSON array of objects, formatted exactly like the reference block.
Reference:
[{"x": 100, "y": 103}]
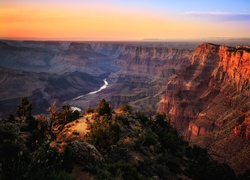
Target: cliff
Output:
[
  {"x": 208, "y": 101},
  {"x": 152, "y": 60},
  {"x": 144, "y": 70}
]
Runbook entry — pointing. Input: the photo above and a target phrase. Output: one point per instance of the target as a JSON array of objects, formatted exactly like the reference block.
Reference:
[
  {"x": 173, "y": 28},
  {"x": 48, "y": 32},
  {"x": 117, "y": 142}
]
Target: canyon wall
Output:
[
  {"x": 161, "y": 61},
  {"x": 144, "y": 71},
  {"x": 208, "y": 101}
]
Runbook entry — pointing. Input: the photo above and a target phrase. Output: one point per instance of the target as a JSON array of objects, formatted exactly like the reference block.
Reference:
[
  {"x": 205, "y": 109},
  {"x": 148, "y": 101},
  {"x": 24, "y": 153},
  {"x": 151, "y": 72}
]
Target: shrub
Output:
[
  {"x": 125, "y": 108},
  {"x": 124, "y": 170},
  {"x": 149, "y": 138},
  {"x": 141, "y": 117},
  {"x": 104, "y": 108},
  {"x": 90, "y": 110},
  {"x": 104, "y": 133}
]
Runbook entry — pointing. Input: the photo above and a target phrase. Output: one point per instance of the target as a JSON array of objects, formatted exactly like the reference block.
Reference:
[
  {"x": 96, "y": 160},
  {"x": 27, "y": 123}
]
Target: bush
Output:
[
  {"x": 104, "y": 108},
  {"x": 90, "y": 110},
  {"x": 104, "y": 133},
  {"x": 124, "y": 170},
  {"x": 141, "y": 117},
  {"x": 61, "y": 175},
  {"x": 149, "y": 138},
  {"x": 125, "y": 108},
  {"x": 123, "y": 118}
]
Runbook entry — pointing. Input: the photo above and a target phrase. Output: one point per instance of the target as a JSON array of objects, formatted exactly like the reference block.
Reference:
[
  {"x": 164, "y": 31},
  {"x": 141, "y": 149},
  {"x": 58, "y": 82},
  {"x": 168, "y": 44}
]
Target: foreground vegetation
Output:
[{"x": 130, "y": 146}]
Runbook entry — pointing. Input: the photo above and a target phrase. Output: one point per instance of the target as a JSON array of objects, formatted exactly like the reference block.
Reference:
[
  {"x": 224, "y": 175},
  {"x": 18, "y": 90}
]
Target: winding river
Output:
[
  {"x": 94, "y": 92},
  {"x": 73, "y": 108}
]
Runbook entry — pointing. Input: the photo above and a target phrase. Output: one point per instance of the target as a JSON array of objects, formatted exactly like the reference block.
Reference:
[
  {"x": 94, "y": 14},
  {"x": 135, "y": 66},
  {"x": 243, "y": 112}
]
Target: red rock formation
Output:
[
  {"x": 206, "y": 98},
  {"x": 211, "y": 67}
]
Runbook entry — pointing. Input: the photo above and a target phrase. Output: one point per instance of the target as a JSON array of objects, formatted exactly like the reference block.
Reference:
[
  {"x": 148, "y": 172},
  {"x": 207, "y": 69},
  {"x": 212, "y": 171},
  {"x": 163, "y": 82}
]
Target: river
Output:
[
  {"x": 101, "y": 88},
  {"x": 90, "y": 93}
]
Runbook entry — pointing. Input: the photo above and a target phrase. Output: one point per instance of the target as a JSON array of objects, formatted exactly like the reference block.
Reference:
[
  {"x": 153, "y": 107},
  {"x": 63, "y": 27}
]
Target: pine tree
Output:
[{"x": 24, "y": 110}]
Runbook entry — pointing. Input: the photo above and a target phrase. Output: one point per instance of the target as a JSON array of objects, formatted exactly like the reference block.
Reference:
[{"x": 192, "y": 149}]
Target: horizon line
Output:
[{"x": 120, "y": 40}]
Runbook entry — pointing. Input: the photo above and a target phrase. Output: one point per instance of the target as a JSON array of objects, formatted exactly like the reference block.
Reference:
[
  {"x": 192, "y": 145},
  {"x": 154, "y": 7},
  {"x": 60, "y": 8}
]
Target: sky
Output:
[{"x": 127, "y": 20}]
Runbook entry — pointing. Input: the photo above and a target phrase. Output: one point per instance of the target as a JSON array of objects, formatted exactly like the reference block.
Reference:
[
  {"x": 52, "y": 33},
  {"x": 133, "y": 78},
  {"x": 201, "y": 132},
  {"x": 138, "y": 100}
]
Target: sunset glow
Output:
[{"x": 121, "y": 20}]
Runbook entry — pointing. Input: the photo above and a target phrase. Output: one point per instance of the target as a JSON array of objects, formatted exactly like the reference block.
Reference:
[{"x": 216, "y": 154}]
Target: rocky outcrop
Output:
[
  {"x": 234, "y": 67},
  {"x": 206, "y": 98},
  {"x": 86, "y": 153},
  {"x": 75, "y": 46},
  {"x": 186, "y": 90},
  {"x": 212, "y": 67},
  {"x": 242, "y": 129}
]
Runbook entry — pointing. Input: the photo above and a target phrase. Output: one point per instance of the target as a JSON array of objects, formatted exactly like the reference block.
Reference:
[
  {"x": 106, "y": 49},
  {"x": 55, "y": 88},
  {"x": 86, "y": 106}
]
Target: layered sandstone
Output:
[
  {"x": 144, "y": 72},
  {"x": 205, "y": 101},
  {"x": 152, "y": 60}
]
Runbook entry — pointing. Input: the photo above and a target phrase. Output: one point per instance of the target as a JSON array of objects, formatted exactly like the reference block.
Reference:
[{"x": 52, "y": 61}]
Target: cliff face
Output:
[
  {"x": 234, "y": 67},
  {"x": 144, "y": 72},
  {"x": 208, "y": 102},
  {"x": 152, "y": 60},
  {"x": 185, "y": 90}
]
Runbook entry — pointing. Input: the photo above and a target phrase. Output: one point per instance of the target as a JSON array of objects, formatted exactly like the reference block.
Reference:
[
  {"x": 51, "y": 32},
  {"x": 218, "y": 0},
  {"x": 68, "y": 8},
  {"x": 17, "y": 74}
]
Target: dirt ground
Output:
[{"x": 72, "y": 131}]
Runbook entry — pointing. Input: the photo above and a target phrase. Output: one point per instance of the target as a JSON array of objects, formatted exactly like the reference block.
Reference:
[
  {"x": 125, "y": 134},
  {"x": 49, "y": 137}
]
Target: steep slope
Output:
[
  {"x": 161, "y": 61},
  {"x": 47, "y": 71},
  {"x": 209, "y": 102},
  {"x": 144, "y": 71},
  {"x": 41, "y": 88}
]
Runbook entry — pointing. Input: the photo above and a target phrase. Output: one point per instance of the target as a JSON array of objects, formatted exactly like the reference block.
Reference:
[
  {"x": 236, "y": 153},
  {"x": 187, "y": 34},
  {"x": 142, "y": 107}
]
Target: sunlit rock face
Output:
[
  {"x": 188, "y": 87},
  {"x": 209, "y": 103}
]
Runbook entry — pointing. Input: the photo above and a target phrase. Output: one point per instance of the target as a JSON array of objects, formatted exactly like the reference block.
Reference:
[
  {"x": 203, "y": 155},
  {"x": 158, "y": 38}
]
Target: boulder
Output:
[{"x": 85, "y": 152}]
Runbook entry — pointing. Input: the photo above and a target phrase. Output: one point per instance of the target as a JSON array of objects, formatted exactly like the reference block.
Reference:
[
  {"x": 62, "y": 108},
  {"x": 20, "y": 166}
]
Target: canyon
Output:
[
  {"x": 203, "y": 88},
  {"x": 210, "y": 102}
]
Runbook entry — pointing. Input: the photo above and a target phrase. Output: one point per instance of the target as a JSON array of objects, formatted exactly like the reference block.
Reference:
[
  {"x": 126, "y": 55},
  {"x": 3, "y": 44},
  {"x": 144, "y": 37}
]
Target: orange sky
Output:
[{"x": 93, "y": 21}]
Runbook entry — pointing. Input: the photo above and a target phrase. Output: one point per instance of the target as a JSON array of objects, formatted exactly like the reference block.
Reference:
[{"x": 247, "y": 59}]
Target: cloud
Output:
[{"x": 220, "y": 16}]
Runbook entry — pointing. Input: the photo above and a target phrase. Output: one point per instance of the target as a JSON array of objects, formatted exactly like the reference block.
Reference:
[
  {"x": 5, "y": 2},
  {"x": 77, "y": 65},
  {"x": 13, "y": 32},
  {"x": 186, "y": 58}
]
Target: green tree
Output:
[
  {"x": 125, "y": 108},
  {"x": 141, "y": 117},
  {"x": 52, "y": 114},
  {"x": 42, "y": 123},
  {"x": 104, "y": 108},
  {"x": 103, "y": 133},
  {"x": 24, "y": 110},
  {"x": 75, "y": 115},
  {"x": 11, "y": 117},
  {"x": 90, "y": 110},
  {"x": 66, "y": 114},
  {"x": 160, "y": 119}
]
